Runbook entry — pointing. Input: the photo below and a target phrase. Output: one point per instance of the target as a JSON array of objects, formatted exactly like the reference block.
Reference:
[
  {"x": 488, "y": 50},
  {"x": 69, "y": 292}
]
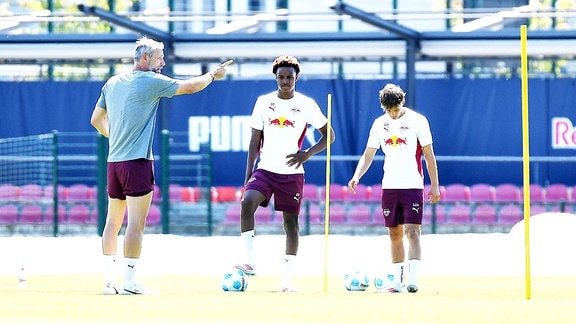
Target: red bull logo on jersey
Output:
[
  {"x": 281, "y": 122},
  {"x": 395, "y": 141}
]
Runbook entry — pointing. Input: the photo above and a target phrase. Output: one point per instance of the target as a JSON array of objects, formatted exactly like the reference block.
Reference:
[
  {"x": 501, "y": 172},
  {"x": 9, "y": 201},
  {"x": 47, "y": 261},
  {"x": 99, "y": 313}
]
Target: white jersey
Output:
[
  {"x": 284, "y": 123},
  {"x": 401, "y": 141}
]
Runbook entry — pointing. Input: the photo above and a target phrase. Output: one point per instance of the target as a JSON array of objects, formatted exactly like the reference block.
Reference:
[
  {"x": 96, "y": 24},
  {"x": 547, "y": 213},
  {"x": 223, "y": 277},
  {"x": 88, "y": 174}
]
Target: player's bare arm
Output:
[
  {"x": 99, "y": 120},
  {"x": 200, "y": 82},
  {"x": 253, "y": 152},
  {"x": 434, "y": 193},
  {"x": 303, "y": 155},
  {"x": 363, "y": 164}
]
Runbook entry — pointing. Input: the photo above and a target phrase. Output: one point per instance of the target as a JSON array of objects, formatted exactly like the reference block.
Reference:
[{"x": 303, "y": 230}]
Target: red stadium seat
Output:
[
  {"x": 485, "y": 214},
  {"x": 457, "y": 193},
  {"x": 507, "y": 193},
  {"x": 459, "y": 214},
  {"x": 225, "y": 194},
  {"x": 482, "y": 192}
]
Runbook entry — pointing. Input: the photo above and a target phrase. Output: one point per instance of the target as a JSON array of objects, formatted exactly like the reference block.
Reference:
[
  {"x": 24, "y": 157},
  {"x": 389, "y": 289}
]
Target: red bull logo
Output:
[
  {"x": 281, "y": 122},
  {"x": 395, "y": 141}
]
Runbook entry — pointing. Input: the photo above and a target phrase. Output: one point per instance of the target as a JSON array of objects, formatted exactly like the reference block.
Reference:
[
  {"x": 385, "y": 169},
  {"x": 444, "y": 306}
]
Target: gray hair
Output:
[{"x": 145, "y": 45}]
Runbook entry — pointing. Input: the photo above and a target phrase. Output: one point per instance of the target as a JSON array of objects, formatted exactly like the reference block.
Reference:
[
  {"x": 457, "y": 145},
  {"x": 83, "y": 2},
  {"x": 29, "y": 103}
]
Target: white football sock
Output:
[
  {"x": 110, "y": 268},
  {"x": 398, "y": 273},
  {"x": 130, "y": 272},
  {"x": 413, "y": 270},
  {"x": 289, "y": 261},
  {"x": 248, "y": 238}
]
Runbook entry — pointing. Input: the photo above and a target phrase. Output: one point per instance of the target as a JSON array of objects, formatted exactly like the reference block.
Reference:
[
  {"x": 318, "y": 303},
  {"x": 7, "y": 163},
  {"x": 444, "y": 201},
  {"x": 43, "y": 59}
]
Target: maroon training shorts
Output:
[
  {"x": 402, "y": 206},
  {"x": 132, "y": 178},
  {"x": 287, "y": 189}
]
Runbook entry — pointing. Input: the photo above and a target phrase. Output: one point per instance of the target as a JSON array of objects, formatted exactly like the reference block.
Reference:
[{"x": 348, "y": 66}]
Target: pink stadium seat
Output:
[
  {"x": 557, "y": 192},
  {"x": 440, "y": 214},
  {"x": 263, "y": 215},
  {"x": 154, "y": 215},
  {"x": 457, "y": 193},
  {"x": 232, "y": 214},
  {"x": 337, "y": 214},
  {"x": 9, "y": 192},
  {"x": 78, "y": 214},
  {"x": 31, "y": 192},
  {"x": 49, "y": 214},
  {"x": 537, "y": 209},
  {"x": 49, "y": 193},
  {"x": 482, "y": 192},
  {"x": 31, "y": 214},
  {"x": 78, "y": 193},
  {"x": 8, "y": 214},
  {"x": 426, "y": 190},
  {"x": 484, "y": 214},
  {"x": 507, "y": 193},
  {"x": 157, "y": 195},
  {"x": 360, "y": 214},
  {"x": 536, "y": 193},
  {"x": 376, "y": 192},
  {"x": 311, "y": 192},
  {"x": 175, "y": 192},
  {"x": 337, "y": 193},
  {"x": 363, "y": 193},
  {"x": 459, "y": 214},
  {"x": 316, "y": 214},
  {"x": 510, "y": 214}
]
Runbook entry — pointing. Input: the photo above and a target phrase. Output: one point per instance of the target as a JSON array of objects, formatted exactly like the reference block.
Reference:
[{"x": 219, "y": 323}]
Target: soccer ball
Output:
[
  {"x": 356, "y": 281},
  {"x": 234, "y": 280},
  {"x": 382, "y": 282}
]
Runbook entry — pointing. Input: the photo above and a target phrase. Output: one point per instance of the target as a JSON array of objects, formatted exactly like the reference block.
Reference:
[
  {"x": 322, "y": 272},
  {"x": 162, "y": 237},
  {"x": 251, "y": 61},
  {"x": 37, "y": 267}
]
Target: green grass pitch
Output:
[{"x": 199, "y": 299}]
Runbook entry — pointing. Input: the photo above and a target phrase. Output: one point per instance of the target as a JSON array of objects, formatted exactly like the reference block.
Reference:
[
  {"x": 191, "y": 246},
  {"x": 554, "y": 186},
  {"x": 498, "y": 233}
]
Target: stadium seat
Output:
[
  {"x": 557, "y": 192},
  {"x": 360, "y": 214},
  {"x": 337, "y": 214},
  {"x": 537, "y": 209},
  {"x": 484, "y": 214},
  {"x": 537, "y": 193},
  {"x": 154, "y": 215},
  {"x": 78, "y": 214},
  {"x": 338, "y": 193},
  {"x": 49, "y": 193},
  {"x": 157, "y": 195},
  {"x": 78, "y": 193},
  {"x": 507, "y": 193},
  {"x": 482, "y": 192},
  {"x": 510, "y": 214},
  {"x": 440, "y": 213},
  {"x": 232, "y": 214},
  {"x": 49, "y": 214},
  {"x": 310, "y": 192},
  {"x": 376, "y": 193},
  {"x": 457, "y": 193},
  {"x": 31, "y": 192},
  {"x": 313, "y": 212},
  {"x": 426, "y": 190},
  {"x": 363, "y": 193},
  {"x": 190, "y": 194},
  {"x": 31, "y": 214},
  {"x": 459, "y": 214},
  {"x": 175, "y": 192},
  {"x": 263, "y": 215},
  {"x": 8, "y": 214},
  {"x": 9, "y": 192},
  {"x": 225, "y": 194}
]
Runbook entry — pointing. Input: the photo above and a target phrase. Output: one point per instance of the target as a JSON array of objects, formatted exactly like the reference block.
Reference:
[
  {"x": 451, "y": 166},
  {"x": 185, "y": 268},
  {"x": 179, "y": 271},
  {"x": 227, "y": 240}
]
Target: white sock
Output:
[
  {"x": 413, "y": 270},
  {"x": 289, "y": 262},
  {"x": 398, "y": 273},
  {"x": 110, "y": 268},
  {"x": 130, "y": 271},
  {"x": 248, "y": 238}
]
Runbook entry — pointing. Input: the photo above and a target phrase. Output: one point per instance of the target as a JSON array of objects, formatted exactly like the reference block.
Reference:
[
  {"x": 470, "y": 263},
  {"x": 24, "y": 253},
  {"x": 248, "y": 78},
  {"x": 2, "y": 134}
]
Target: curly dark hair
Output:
[
  {"x": 286, "y": 61},
  {"x": 391, "y": 96}
]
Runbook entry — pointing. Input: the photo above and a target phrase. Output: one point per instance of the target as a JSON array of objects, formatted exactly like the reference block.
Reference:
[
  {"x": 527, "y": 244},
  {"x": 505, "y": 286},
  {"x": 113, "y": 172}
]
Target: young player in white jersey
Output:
[
  {"x": 404, "y": 136},
  {"x": 279, "y": 123}
]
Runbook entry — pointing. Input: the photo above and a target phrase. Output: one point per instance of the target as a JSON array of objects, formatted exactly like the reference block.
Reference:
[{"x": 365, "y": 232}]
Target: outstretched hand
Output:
[{"x": 220, "y": 71}]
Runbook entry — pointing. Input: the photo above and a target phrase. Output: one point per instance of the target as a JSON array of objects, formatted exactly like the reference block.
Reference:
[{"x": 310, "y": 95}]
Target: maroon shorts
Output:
[
  {"x": 286, "y": 188},
  {"x": 133, "y": 178},
  {"x": 402, "y": 206}
]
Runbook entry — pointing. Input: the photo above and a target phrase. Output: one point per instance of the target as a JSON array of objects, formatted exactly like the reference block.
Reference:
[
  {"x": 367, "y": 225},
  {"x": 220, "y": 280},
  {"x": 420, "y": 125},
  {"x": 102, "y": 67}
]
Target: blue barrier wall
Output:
[{"x": 468, "y": 117}]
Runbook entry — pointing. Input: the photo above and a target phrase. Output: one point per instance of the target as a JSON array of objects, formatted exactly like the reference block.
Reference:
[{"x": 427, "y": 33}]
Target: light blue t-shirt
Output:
[{"x": 131, "y": 100}]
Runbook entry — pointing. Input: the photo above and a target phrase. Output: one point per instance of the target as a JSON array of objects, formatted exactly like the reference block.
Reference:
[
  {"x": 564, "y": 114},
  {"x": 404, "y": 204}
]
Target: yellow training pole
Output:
[
  {"x": 526, "y": 156},
  {"x": 327, "y": 209}
]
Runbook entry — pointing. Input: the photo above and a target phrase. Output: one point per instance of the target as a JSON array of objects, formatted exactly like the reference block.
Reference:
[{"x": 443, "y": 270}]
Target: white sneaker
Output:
[
  {"x": 110, "y": 289},
  {"x": 137, "y": 289},
  {"x": 247, "y": 268}
]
